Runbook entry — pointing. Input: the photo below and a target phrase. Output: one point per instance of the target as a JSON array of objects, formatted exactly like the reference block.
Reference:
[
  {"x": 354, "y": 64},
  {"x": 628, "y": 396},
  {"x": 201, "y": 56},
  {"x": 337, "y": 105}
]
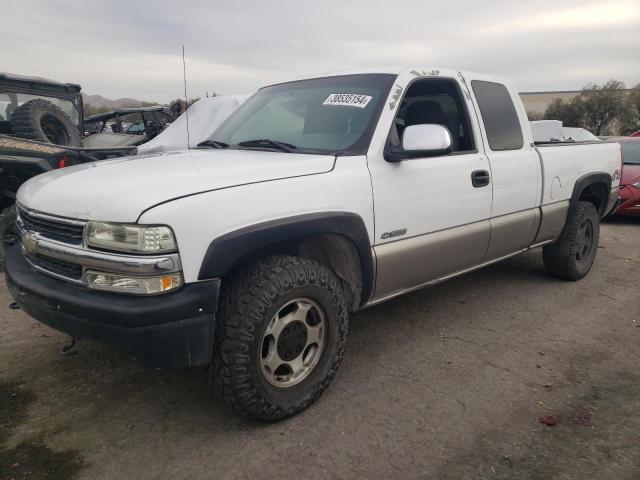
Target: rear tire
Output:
[
  {"x": 282, "y": 289},
  {"x": 572, "y": 256},
  {"x": 43, "y": 121}
]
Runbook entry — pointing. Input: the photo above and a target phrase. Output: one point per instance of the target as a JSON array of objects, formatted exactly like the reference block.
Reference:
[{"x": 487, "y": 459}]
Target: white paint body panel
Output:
[
  {"x": 567, "y": 163},
  {"x": 198, "y": 219},
  {"x": 204, "y": 194},
  {"x": 515, "y": 174},
  {"x": 424, "y": 195},
  {"x": 120, "y": 190}
]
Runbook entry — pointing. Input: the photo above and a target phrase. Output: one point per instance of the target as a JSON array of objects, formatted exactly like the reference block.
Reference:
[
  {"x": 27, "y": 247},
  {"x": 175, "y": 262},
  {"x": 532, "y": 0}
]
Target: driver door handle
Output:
[{"x": 480, "y": 178}]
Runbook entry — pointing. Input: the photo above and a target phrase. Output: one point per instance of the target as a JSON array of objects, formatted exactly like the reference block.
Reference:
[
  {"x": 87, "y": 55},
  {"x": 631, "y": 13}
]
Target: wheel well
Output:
[
  {"x": 596, "y": 193},
  {"x": 340, "y": 255},
  {"x": 334, "y": 251}
]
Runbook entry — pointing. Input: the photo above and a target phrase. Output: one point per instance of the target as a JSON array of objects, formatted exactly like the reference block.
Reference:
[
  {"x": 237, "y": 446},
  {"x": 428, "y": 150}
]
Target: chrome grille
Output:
[
  {"x": 67, "y": 270},
  {"x": 54, "y": 246},
  {"x": 61, "y": 230},
  {"x": 34, "y": 225}
]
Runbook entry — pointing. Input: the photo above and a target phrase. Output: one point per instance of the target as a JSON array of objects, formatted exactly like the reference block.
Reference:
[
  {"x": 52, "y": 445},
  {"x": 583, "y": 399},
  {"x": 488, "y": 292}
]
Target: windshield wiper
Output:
[
  {"x": 213, "y": 144},
  {"x": 265, "y": 142}
]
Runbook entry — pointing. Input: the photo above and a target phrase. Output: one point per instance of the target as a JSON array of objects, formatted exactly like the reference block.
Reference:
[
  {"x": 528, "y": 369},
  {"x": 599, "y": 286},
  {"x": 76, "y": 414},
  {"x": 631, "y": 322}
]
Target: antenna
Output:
[{"x": 186, "y": 102}]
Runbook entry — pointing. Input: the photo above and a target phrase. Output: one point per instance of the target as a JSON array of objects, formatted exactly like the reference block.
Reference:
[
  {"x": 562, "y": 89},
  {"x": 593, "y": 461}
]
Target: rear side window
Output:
[{"x": 499, "y": 115}]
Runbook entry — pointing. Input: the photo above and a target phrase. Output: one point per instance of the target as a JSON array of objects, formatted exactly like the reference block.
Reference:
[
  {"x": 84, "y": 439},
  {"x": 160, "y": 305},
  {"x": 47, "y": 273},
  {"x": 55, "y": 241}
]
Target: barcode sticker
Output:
[{"x": 347, "y": 100}]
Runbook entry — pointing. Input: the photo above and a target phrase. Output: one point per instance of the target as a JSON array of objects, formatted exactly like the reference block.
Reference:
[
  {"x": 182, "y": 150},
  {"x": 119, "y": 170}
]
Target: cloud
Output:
[
  {"x": 133, "y": 48},
  {"x": 585, "y": 17}
]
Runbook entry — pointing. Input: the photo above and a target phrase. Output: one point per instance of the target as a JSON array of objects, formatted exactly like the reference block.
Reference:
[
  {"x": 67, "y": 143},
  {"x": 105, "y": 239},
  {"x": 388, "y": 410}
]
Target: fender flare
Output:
[
  {"x": 225, "y": 251},
  {"x": 585, "y": 181}
]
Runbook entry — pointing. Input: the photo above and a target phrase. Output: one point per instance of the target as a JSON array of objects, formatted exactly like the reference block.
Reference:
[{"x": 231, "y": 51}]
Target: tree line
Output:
[{"x": 608, "y": 109}]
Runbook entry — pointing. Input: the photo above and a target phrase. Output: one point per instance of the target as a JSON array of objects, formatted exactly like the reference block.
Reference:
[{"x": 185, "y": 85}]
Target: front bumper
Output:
[{"x": 167, "y": 331}]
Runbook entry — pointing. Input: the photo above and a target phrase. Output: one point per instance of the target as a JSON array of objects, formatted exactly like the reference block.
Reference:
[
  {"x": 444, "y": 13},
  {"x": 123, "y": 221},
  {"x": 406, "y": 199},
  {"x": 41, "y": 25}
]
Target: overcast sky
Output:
[{"x": 133, "y": 48}]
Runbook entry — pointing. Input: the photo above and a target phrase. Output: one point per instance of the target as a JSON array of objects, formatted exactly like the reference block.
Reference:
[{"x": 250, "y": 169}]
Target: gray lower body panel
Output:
[
  {"x": 513, "y": 232},
  {"x": 408, "y": 264},
  {"x": 554, "y": 217},
  {"x": 405, "y": 264}
]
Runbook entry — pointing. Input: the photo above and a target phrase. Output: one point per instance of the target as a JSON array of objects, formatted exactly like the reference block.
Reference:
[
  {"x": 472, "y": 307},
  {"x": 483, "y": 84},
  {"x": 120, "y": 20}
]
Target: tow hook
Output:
[
  {"x": 14, "y": 306},
  {"x": 68, "y": 348}
]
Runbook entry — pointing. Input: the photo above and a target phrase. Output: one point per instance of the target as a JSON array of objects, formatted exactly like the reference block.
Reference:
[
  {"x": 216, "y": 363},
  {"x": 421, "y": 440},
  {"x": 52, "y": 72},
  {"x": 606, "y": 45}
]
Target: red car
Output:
[{"x": 630, "y": 181}]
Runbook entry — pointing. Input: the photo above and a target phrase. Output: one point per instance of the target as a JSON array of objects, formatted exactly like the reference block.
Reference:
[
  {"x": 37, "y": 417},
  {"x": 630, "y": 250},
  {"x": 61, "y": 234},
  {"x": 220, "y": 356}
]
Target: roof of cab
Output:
[{"x": 396, "y": 70}]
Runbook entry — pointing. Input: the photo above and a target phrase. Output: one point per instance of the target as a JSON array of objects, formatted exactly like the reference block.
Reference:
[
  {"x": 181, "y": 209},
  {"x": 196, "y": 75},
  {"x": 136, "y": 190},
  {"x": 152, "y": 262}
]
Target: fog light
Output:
[{"x": 135, "y": 285}]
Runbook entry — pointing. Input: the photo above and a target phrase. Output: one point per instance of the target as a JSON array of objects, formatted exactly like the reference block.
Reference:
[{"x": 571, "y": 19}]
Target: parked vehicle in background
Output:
[
  {"x": 128, "y": 126},
  {"x": 21, "y": 160},
  {"x": 630, "y": 181},
  {"x": 205, "y": 116},
  {"x": 36, "y": 108},
  {"x": 552, "y": 131},
  {"x": 314, "y": 199},
  {"x": 635, "y": 134},
  {"x": 42, "y": 128}
]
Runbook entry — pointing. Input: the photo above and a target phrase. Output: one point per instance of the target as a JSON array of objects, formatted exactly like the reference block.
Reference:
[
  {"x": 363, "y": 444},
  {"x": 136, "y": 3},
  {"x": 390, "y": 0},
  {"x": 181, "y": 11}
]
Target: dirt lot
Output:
[{"x": 448, "y": 382}]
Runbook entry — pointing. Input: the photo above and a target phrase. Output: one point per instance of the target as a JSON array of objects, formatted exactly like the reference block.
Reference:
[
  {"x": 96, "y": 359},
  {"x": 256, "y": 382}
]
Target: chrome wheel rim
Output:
[{"x": 293, "y": 342}]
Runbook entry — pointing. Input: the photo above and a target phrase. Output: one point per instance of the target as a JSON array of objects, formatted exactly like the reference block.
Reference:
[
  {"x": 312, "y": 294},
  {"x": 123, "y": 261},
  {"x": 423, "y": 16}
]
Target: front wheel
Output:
[
  {"x": 572, "y": 256},
  {"x": 281, "y": 333}
]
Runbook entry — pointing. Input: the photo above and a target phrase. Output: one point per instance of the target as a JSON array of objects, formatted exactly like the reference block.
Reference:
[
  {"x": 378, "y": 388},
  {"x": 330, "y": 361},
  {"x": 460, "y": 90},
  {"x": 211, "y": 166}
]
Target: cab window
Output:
[
  {"x": 499, "y": 116},
  {"x": 434, "y": 101}
]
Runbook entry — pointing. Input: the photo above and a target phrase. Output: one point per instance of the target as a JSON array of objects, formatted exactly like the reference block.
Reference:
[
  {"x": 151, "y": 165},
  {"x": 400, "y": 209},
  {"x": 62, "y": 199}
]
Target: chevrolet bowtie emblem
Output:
[{"x": 29, "y": 242}]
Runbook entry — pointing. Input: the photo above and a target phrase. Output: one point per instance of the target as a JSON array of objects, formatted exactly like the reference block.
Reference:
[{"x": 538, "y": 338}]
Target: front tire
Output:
[
  {"x": 281, "y": 334},
  {"x": 572, "y": 256}
]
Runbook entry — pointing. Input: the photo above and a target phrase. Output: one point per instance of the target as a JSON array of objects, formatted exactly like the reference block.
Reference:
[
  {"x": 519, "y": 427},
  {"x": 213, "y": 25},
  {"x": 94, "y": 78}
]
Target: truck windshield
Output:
[{"x": 335, "y": 115}]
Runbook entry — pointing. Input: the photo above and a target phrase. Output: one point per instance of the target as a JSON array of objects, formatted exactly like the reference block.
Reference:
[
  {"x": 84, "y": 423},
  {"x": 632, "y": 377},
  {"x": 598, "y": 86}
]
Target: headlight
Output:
[
  {"x": 130, "y": 238},
  {"x": 637, "y": 184},
  {"x": 135, "y": 285}
]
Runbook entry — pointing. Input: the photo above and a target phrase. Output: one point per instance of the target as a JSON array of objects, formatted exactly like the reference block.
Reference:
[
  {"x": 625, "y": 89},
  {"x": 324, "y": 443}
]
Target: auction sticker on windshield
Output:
[{"x": 348, "y": 100}]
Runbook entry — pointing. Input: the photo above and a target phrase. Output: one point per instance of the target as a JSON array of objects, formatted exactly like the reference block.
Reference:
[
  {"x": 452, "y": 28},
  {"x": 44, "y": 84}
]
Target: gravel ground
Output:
[{"x": 447, "y": 382}]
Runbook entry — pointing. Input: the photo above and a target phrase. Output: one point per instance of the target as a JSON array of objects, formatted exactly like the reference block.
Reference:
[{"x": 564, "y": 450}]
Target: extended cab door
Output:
[
  {"x": 430, "y": 218},
  {"x": 515, "y": 165}
]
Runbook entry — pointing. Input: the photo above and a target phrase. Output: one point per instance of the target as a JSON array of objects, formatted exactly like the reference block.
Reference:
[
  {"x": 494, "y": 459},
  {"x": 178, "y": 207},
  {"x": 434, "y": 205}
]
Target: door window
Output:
[{"x": 434, "y": 101}]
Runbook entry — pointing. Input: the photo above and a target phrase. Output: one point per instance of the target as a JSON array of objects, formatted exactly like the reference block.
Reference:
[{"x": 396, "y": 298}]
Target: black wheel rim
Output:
[
  {"x": 54, "y": 130},
  {"x": 584, "y": 241}
]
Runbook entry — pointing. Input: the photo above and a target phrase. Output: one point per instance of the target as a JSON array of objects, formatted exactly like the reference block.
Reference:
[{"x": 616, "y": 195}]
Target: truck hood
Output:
[{"x": 120, "y": 190}]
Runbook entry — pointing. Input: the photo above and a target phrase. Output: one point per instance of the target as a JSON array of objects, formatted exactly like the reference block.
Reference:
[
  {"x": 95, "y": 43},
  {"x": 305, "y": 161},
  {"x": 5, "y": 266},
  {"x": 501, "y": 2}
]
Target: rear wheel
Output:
[
  {"x": 281, "y": 333},
  {"x": 572, "y": 256}
]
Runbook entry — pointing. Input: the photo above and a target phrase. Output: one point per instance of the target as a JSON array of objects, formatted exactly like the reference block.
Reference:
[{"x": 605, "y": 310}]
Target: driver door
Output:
[{"x": 430, "y": 219}]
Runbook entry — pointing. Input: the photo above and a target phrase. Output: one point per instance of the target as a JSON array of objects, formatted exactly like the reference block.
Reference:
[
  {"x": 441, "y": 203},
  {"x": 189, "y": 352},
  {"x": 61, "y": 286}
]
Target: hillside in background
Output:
[
  {"x": 98, "y": 101},
  {"x": 94, "y": 104}
]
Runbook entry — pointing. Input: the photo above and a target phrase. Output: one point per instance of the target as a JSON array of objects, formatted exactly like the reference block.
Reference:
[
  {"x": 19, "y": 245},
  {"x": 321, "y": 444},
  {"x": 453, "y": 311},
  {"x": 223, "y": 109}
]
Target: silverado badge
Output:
[{"x": 394, "y": 233}]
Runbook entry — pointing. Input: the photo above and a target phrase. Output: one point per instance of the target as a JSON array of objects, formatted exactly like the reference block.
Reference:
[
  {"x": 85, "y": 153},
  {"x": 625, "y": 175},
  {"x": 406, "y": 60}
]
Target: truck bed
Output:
[{"x": 560, "y": 170}]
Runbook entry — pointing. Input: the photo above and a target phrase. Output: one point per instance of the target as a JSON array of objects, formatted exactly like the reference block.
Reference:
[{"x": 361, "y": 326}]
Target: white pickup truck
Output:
[{"x": 315, "y": 198}]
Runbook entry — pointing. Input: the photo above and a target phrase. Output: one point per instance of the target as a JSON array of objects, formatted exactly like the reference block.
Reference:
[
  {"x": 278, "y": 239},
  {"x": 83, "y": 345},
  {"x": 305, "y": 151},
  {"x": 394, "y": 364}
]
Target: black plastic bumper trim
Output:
[{"x": 169, "y": 331}]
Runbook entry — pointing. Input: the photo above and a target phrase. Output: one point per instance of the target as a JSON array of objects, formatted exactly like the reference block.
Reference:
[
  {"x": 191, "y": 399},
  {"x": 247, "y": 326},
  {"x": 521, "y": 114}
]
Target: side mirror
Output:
[{"x": 426, "y": 140}]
